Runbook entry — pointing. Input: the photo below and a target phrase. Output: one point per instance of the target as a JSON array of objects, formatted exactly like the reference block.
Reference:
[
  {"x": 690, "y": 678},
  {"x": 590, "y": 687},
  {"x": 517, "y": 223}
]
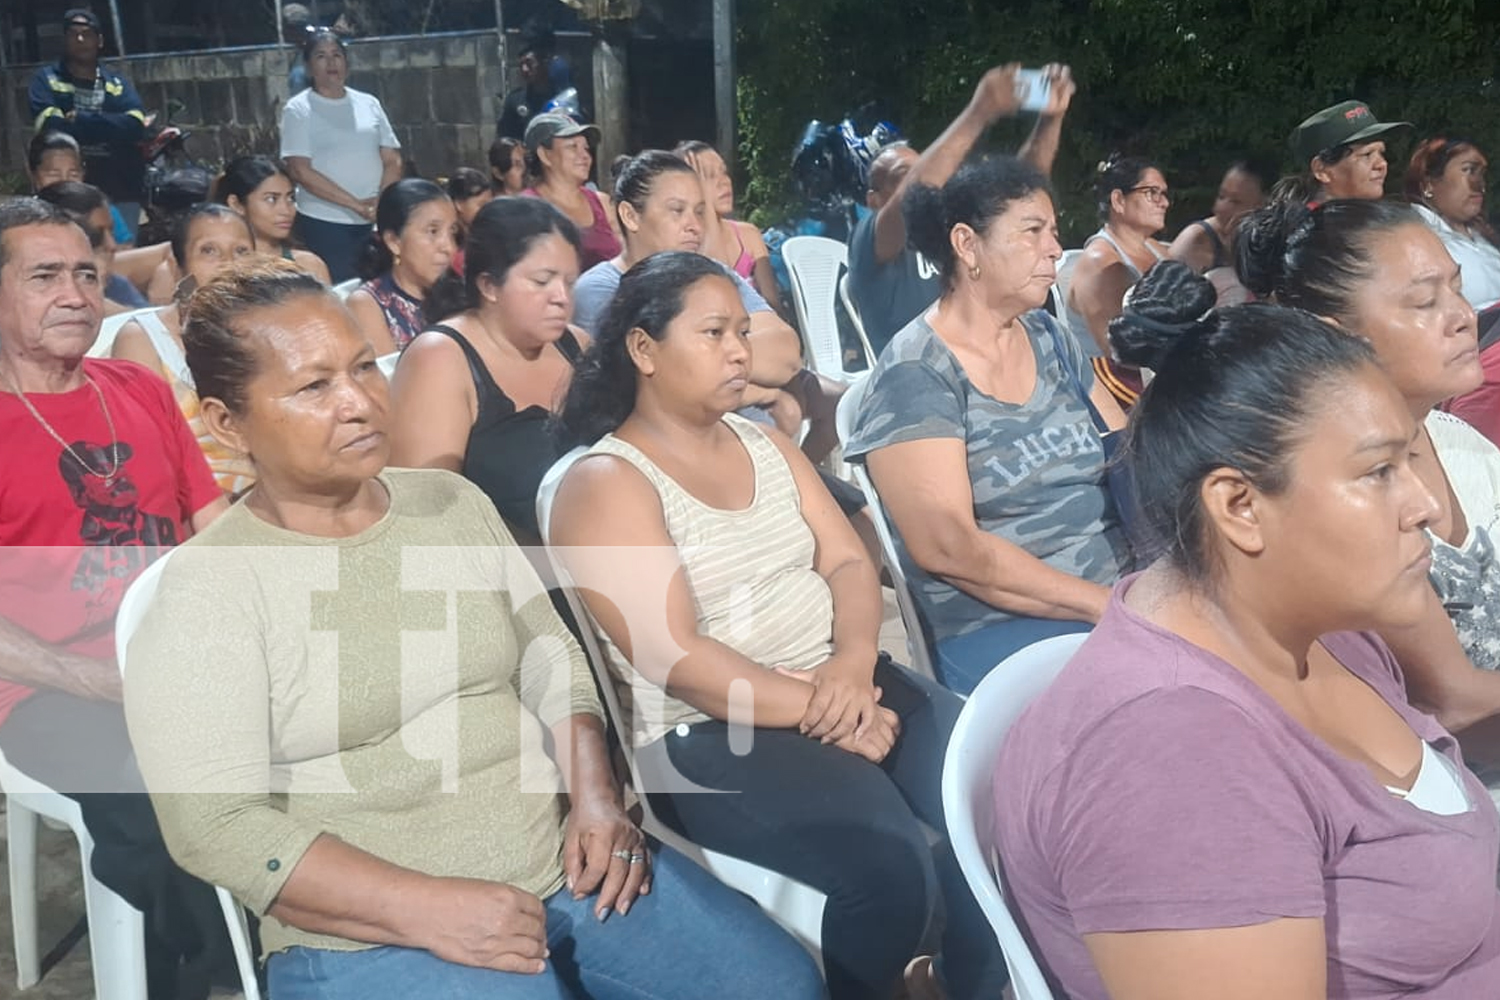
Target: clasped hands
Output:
[{"x": 845, "y": 708}]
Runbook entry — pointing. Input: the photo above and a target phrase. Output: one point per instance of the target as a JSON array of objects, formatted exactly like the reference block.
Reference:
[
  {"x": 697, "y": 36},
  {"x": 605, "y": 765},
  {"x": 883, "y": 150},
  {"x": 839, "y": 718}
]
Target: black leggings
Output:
[{"x": 849, "y": 828}]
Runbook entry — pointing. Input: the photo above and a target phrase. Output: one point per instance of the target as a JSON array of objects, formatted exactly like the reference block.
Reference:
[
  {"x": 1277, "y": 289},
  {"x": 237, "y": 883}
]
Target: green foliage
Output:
[{"x": 1192, "y": 84}]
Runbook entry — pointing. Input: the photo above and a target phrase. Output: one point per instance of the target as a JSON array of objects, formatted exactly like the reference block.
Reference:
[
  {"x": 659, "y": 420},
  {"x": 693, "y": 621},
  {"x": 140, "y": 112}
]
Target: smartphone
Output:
[{"x": 1033, "y": 89}]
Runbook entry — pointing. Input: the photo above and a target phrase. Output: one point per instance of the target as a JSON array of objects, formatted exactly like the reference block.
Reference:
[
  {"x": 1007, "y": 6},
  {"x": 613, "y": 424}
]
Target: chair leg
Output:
[
  {"x": 117, "y": 936},
  {"x": 20, "y": 827},
  {"x": 239, "y": 936}
]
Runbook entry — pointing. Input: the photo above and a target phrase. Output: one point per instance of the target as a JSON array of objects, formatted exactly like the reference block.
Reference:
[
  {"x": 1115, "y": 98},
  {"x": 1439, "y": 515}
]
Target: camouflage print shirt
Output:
[{"x": 1036, "y": 468}]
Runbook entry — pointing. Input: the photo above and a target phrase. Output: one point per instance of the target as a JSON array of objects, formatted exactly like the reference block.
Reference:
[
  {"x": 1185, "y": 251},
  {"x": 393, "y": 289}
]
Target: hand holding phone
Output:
[{"x": 1033, "y": 89}]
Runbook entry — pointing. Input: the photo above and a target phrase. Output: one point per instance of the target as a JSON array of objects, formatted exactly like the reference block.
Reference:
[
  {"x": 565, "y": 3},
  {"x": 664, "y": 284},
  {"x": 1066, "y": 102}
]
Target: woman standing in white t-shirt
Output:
[{"x": 339, "y": 147}]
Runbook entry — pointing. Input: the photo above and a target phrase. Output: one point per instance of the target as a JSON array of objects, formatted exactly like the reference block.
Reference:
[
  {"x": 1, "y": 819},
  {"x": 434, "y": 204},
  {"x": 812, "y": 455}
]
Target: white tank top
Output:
[{"x": 750, "y": 572}]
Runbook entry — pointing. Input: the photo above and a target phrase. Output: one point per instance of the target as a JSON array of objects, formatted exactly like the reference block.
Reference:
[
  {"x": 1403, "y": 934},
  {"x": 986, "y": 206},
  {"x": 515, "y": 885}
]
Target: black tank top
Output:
[{"x": 509, "y": 450}]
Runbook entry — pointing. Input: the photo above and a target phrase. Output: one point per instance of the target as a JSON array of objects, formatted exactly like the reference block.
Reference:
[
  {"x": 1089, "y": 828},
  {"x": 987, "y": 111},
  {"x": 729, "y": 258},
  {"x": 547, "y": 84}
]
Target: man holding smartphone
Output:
[{"x": 892, "y": 284}]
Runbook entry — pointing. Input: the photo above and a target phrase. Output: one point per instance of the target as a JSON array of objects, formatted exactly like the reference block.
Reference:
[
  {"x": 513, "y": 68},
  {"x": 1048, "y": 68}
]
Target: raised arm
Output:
[
  {"x": 924, "y": 485},
  {"x": 1040, "y": 148},
  {"x": 993, "y": 99}
]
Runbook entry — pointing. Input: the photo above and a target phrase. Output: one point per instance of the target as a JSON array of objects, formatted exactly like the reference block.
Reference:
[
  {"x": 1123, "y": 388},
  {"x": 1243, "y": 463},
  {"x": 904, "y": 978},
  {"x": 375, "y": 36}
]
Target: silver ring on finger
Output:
[
  {"x": 624, "y": 855},
  {"x": 637, "y": 859}
]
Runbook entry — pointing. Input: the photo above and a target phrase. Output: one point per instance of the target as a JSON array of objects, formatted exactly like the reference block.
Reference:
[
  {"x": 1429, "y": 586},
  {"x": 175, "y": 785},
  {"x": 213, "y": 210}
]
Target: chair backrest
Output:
[
  {"x": 968, "y": 802},
  {"x": 387, "y": 363},
  {"x": 546, "y": 495},
  {"x": 813, "y": 264},
  {"x": 109, "y": 329},
  {"x": 344, "y": 288},
  {"x": 859, "y": 325},
  {"x": 919, "y": 658},
  {"x": 133, "y": 607},
  {"x": 1065, "y": 265}
]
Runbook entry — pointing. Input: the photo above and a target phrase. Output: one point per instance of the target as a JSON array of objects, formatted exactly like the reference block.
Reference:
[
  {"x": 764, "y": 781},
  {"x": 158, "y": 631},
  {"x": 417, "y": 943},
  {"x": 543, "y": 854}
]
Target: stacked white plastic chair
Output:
[
  {"x": 814, "y": 264},
  {"x": 968, "y": 790}
]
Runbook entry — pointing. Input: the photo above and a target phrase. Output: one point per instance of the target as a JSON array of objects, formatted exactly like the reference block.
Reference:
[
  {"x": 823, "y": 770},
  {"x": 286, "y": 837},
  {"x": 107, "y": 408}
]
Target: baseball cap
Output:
[
  {"x": 542, "y": 129},
  {"x": 82, "y": 15},
  {"x": 1341, "y": 125}
]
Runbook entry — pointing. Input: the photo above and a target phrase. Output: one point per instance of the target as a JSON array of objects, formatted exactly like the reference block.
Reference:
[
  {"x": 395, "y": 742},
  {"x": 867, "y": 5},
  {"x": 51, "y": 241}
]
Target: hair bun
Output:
[
  {"x": 1261, "y": 243},
  {"x": 1169, "y": 306}
]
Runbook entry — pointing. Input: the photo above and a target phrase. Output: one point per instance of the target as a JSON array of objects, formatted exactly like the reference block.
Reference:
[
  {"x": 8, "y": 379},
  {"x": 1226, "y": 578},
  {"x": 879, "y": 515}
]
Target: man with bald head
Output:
[{"x": 891, "y": 284}]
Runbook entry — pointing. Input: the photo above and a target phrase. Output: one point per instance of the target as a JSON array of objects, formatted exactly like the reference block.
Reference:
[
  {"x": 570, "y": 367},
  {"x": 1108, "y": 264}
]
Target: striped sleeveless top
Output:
[{"x": 750, "y": 573}]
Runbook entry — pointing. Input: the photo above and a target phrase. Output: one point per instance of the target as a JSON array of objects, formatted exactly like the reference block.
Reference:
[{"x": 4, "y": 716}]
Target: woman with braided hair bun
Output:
[{"x": 1293, "y": 826}]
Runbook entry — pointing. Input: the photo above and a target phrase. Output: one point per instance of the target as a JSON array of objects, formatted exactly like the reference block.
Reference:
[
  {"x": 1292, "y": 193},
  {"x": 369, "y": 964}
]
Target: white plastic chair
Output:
[
  {"x": 344, "y": 288},
  {"x": 117, "y": 943},
  {"x": 814, "y": 263},
  {"x": 796, "y": 907},
  {"x": 968, "y": 803},
  {"x": 917, "y": 655},
  {"x": 859, "y": 325},
  {"x": 132, "y": 609},
  {"x": 109, "y": 329},
  {"x": 387, "y": 363}
]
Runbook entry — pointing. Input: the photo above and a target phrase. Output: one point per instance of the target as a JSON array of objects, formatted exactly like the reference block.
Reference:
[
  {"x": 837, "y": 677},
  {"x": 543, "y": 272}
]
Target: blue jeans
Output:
[
  {"x": 689, "y": 938},
  {"x": 338, "y": 244},
  {"x": 963, "y": 660}
]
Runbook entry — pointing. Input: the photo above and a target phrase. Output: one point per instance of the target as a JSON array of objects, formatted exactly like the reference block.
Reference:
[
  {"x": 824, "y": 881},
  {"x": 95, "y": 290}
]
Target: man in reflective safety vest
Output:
[{"x": 98, "y": 108}]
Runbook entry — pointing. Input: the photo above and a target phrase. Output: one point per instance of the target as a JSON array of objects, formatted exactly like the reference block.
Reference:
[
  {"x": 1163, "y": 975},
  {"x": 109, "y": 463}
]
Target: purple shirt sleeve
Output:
[{"x": 1210, "y": 831}]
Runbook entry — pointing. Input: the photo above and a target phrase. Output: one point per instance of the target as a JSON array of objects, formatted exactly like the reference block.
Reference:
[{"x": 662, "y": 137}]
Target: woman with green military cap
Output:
[{"x": 1341, "y": 151}]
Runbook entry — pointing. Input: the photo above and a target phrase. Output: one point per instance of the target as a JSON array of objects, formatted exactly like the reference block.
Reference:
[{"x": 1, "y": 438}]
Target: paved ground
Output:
[{"x": 59, "y": 884}]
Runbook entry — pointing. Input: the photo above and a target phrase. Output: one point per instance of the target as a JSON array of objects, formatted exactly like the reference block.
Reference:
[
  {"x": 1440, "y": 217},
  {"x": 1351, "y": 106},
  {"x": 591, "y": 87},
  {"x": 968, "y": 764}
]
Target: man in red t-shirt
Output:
[{"x": 98, "y": 473}]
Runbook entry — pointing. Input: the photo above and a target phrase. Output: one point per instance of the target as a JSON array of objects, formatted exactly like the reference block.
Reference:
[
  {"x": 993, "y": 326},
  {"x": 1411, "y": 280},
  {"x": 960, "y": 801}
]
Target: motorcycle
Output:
[{"x": 175, "y": 182}]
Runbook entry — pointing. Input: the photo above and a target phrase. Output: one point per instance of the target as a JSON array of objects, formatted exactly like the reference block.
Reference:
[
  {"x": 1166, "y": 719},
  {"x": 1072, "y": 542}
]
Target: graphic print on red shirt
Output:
[{"x": 77, "y": 525}]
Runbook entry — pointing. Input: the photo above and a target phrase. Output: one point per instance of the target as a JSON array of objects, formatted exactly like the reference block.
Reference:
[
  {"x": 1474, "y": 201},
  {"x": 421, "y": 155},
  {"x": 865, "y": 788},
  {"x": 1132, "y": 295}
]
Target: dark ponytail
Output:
[
  {"x": 602, "y": 392},
  {"x": 1233, "y": 388}
]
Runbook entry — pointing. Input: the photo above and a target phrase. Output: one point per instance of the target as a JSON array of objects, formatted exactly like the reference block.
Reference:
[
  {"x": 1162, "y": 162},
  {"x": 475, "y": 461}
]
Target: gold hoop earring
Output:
[{"x": 974, "y": 272}]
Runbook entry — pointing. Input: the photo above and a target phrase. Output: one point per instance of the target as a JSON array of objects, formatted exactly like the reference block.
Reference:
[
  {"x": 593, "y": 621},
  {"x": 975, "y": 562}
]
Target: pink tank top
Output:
[
  {"x": 597, "y": 242},
  {"x": 744, "y": 265}
]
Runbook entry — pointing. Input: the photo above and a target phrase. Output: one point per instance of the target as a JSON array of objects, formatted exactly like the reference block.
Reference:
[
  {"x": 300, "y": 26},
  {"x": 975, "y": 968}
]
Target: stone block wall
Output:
[{"x": 442, "y": 94}]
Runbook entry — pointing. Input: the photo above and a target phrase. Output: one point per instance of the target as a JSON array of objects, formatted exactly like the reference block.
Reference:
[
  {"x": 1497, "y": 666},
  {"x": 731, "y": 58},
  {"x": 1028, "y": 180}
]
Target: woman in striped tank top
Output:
[{"x": 725, "y": 584}]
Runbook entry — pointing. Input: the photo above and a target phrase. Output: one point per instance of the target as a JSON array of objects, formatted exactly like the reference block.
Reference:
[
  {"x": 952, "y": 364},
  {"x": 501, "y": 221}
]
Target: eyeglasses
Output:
[{"x": 1152, "y": 193}]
